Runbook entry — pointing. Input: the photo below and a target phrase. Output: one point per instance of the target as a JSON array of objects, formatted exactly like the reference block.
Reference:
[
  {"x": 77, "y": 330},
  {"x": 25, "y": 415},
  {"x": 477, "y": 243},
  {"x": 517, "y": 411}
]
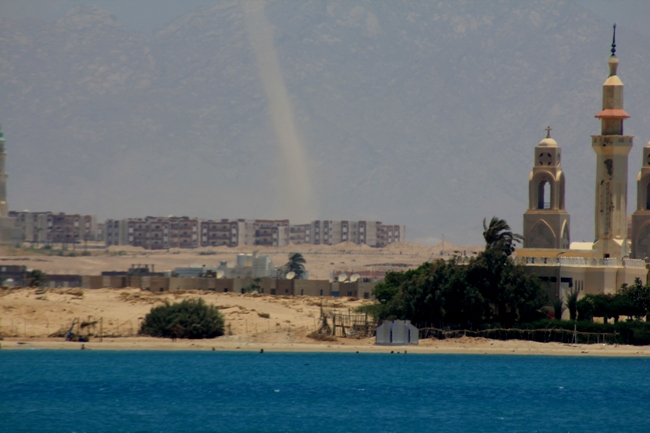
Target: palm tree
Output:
[
  {"x": 571, "y": 300},
  {"x": 296, "y": 264},
  {"x": 499, "y": 235},
  {"x": 558, "y": 308}
]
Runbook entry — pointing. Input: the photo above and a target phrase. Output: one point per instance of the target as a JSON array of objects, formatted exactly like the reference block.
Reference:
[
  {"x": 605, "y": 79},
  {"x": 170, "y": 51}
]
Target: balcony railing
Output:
[{"x": 581, "y": 262}]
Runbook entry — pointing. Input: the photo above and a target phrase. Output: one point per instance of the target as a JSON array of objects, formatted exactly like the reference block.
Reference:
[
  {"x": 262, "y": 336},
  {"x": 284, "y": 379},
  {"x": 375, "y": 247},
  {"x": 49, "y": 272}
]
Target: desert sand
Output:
[
  {"x": 321, "y": 259},
  {"x": 29, "y": 318}
]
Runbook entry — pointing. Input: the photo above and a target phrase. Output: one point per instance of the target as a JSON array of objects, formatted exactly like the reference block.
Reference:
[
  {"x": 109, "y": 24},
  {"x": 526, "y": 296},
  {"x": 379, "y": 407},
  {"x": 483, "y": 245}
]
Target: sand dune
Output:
[{"x": 29, "y": 316}]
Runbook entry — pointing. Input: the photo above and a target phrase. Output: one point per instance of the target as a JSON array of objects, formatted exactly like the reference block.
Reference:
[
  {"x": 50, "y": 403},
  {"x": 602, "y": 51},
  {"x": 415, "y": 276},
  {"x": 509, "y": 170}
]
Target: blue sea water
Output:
[{"x": 149, "y": 391}]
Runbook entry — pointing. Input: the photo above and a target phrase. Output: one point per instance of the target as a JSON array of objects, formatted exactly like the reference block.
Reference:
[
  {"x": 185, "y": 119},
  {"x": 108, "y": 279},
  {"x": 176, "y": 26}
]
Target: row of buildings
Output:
[
  {"x": 184, "y": 232},
  {"x": 53, "y": 228}
]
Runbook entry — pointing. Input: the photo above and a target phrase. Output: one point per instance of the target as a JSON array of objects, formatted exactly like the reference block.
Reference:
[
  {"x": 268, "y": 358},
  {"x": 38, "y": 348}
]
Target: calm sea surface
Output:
[{"x": 106, "y": 391}]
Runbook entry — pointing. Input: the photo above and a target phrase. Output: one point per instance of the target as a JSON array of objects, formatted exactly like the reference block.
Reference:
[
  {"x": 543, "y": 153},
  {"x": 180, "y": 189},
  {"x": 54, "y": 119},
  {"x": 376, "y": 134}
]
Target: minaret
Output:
[
  {"x": 546, "y": 222},
  {"x": 612, "y": 148},
  {"x": 641, "y": 216},
  {"x": 3, "y": 176}
]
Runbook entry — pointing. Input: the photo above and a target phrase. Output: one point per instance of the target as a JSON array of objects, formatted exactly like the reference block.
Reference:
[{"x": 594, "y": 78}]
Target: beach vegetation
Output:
[
  {"x": 35, "y": 278},
  {"x": 465, "y": 293},
  {"x": 632, "y": 301},
  {"x": 558, "y": 308},
  {"x": 190, "y": 318},
  {"x": 254, "y": 287}
]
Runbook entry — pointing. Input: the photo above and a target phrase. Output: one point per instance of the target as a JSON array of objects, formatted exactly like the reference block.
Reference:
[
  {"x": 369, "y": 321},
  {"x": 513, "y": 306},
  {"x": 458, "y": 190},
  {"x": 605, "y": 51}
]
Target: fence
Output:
[
  {"x": 86, "y": 328},
  {"x": 540, "y": 335}
]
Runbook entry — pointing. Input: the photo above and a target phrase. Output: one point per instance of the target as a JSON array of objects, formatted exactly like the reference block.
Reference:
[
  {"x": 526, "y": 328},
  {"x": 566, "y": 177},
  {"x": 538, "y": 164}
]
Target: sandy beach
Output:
[{"x": 29, "y": 318}]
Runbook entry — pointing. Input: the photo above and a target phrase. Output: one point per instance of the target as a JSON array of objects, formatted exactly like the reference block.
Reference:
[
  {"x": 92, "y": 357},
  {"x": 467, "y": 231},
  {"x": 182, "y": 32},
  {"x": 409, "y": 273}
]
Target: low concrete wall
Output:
[
  {"x": 269, "y": 286},
  {"x": 312, "y": 288}
]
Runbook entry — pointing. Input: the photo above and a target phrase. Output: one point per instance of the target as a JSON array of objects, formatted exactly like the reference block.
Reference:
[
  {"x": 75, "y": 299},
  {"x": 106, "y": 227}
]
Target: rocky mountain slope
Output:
[{"x": 424, "y": 114}]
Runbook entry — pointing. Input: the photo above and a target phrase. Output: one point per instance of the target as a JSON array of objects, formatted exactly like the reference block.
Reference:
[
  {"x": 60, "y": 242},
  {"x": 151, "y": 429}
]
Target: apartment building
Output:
[
  {"x": 116, "y": 232},
  {"x": 153, "y": 233},
  {"x": 223, "y": 232},
  {"x": 389, "y": 233},
  {"x": 273, "y": 233},
  {"x": 300, "y": 234},
  {"x": 184, "y": 232},
  {"x": 330, "y": 232},
  {"x": 49, "y": 227}
]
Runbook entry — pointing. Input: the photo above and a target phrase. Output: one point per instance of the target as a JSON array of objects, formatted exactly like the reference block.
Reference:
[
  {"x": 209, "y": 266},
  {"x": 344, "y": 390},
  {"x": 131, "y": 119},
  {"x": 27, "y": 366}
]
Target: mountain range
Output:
[{"x": 417, "y": 113}]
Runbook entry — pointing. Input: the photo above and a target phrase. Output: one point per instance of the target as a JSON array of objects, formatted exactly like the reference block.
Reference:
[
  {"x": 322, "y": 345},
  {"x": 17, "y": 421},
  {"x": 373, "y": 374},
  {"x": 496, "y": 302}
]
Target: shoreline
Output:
[{"x": 460, "y": 346}]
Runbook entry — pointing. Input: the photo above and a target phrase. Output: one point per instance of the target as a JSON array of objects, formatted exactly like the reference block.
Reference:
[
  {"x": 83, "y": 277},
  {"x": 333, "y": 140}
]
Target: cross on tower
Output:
[{"x": 548, "y": 131}]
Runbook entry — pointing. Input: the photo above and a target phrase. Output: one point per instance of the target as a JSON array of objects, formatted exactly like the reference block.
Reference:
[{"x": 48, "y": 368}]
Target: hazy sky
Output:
[{"x": 148, "y": 15}]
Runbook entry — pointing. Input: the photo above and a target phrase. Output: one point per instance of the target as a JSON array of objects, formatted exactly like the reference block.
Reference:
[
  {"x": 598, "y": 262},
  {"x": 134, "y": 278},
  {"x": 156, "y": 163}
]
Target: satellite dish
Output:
[
  {"x": 290, "y": 275},
  {"x": 220, "y": 274},
  {"x": 354, "y": 277},
  {"x": 342, "y": 278}
]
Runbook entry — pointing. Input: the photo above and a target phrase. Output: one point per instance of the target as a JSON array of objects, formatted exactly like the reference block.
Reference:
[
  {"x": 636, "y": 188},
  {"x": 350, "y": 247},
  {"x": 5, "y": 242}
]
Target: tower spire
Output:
[{"x": 612, "y": 147}]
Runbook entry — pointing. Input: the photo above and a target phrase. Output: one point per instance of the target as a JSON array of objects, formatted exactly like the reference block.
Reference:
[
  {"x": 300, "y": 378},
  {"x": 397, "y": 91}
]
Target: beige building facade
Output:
[
  {"x": 640, "y": 230},
  {"x": 546, "y": 222},
  {"x": 601, "y": 267}
]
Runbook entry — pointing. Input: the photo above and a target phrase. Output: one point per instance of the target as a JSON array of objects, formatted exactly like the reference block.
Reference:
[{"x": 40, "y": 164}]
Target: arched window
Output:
[
  {"x": 647, "y": 196},
  {"x": 541, "y": 236},
  {"x": 544, "y": 195}
]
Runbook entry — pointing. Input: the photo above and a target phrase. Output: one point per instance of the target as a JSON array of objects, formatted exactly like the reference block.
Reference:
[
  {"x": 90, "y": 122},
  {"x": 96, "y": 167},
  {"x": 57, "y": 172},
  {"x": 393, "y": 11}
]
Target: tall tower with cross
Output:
[
  {"x": 612, "y": 148},
  {"x": 546, "y": 222}
]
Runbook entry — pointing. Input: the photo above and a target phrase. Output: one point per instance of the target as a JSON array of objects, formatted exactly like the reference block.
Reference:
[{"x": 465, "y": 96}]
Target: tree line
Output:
[{"x": 489, "y": 290}]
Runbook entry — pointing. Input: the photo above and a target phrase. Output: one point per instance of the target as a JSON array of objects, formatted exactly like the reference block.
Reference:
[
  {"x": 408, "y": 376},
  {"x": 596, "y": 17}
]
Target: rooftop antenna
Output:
[
  {"x": 342, "y": 278},
  {"x": 354, "y": 278},
  {"x": 220, "y": 274},
  {"x": 290, "y": 275},
  {"x": 614, "y": 42}
]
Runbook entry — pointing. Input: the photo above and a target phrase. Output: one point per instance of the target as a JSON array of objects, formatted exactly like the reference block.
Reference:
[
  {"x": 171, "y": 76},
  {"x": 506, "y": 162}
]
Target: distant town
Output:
[{"x": 156, "y": 233}]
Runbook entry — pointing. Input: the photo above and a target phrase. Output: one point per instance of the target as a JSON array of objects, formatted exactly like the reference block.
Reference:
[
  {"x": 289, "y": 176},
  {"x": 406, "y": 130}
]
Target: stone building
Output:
[
  {"x": 640, "y": 231},
  {"x": 50, "y": 228},
  {"x": 546, "y": 222},
  {"x": 604, "y": 265}
]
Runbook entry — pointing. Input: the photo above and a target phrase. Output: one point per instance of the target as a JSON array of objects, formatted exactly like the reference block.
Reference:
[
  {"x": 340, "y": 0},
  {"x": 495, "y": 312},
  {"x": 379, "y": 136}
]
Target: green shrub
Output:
[{"x": 191, "y": 318}]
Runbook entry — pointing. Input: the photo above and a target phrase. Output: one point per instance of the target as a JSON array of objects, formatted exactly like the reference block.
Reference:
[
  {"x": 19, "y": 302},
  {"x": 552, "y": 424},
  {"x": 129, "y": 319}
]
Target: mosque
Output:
[{"x": 612, "y": 259}]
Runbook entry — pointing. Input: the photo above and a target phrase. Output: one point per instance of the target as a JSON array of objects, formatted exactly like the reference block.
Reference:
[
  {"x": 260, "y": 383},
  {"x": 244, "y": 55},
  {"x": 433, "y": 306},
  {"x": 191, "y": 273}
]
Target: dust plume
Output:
[{"x": 296, "y": 197}]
